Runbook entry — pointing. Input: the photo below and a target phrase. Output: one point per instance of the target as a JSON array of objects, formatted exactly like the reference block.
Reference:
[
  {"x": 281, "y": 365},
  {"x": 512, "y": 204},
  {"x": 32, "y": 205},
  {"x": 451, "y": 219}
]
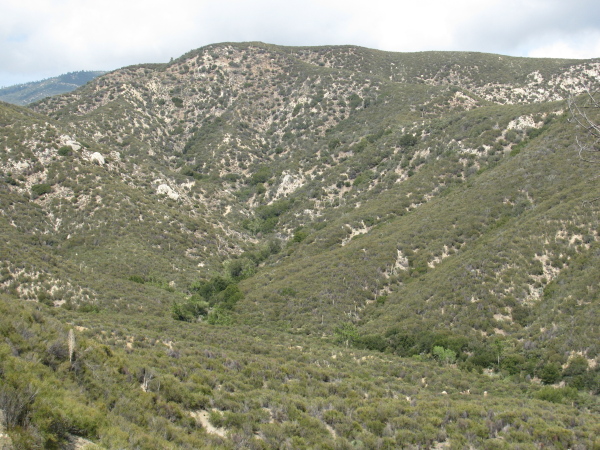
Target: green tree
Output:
[
  {"x": 444, "y": 355},
  {"x": 240, "y": 268},
  {"x": 262, "y": 175},
  {"x": 550, "y": 373},
  {"x": 346, "y": 334},
  {"x": 229, "y": 297},
  {"x": 299, "y": 235},
  {"x": 577, "y": 366},
  {"x": 208, "y": 289}
]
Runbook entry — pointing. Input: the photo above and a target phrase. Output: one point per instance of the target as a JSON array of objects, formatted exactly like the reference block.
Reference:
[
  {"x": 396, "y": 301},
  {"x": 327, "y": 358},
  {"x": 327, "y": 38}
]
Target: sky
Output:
[{"x": 45, "y": 38}]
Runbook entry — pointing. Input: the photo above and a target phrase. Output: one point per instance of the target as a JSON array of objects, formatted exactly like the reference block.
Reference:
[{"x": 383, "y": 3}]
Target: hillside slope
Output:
[
  {"x": 26, "y": 93},
  {"x": 280, "y": 239}
]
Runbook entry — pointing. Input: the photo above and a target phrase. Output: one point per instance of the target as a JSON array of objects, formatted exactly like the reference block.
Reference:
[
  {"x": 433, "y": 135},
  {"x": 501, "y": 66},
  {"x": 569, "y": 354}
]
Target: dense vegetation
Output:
[{"x": 264, "y": 247}]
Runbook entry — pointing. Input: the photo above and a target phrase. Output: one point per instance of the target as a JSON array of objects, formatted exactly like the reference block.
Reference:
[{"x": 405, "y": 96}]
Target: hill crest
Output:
[{"x": 425, "y": 209}]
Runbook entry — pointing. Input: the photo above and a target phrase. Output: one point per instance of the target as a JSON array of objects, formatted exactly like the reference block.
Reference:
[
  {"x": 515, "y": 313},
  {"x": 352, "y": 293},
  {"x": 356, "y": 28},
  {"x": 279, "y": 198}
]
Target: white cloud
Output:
[
  {"x": 582, "y": 45},
  {"x": 48, "y": 37},
  {"x": 516, "y": 27}
]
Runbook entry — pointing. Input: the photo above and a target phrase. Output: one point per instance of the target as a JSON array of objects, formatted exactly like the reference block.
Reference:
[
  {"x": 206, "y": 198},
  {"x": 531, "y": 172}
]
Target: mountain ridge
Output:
[
  {"x": 30, "y": 92},
  {"x": 421, "y": 211}
]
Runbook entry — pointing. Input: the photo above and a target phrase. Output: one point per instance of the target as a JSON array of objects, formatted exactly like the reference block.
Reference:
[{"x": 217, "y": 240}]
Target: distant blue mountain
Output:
[{"x": 26, "y": 93}]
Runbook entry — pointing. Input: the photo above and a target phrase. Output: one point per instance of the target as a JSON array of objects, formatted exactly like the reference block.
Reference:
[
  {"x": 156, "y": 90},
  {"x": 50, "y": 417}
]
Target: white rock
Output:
[
  {"x": 165, "y": 189},
  {"x": 68, "y": 140},
  {"x": 522, "y": 123},
  {"x": 289, "y": 184},
  {"x": 97, "y": 158}
]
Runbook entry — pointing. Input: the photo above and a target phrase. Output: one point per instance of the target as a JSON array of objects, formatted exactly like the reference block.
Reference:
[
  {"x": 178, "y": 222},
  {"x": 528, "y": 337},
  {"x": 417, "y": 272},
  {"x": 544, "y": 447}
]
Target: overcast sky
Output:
[{"x": 44, "y": 38}]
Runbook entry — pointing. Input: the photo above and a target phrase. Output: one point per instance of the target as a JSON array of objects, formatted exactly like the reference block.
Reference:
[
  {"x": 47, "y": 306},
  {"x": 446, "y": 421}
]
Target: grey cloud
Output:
[
  {"x": 514, "y": 27},
  {"x": 89, "y": 35}
]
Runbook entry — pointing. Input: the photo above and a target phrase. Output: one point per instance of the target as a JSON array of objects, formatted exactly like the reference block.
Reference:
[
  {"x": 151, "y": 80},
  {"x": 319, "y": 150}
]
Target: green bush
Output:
[
  {"x": 41, "y": 189},
  {"x": 372, "y": 342},
  {"x": 190, "y": 310},
  {"x": 299, "y": 236},
  {"x": 550, "y": 373},
  {"x": 240, "y": 268},
  {"x": 228, "y": 297},
  {"x": 577, "y": 366},
  {"x": 408, "y": 140},
  {"x": 65, "y": 150},
  {"x": 219, "y": 316},
  {"x": 210, "y": 288},
  {"x": 262, "y": 175},
  {"x": 556, "y": 395},
  {"x": 137, "y": 279},
  {"x": 346, "y": 334},
  {"x": 443, "y": 355},
  {"x": 355, "y": 101}
]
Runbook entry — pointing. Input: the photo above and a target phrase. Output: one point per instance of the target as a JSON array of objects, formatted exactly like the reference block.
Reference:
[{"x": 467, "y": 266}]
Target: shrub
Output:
[
  {"x": 521, "y": 315},
  {"x": 219, "y": 316},
  {"x": 240, "y": 268},
  {"x": 577, "y": 366},
  {"x": 355, "y": 101},
  {"x": 16, "y": 404},
  {"x": 444, "y": 355},
  {"x": 408, "y": 140},
  {"x": 137, "y": 279},
  {"x": 262, "y": 175},
  {"x": 556, "y": 395},
  {"x": 333, "y": 144},
  {"x": 372, "y": 342},
  {"x": 65, "y": 150},
  {"x": 299, "y": 236},
  {"x": 229, "y": 297},
  {"x": 550, "y": 373},
  {"x": 208, "y": 289},
  {"x": 190, "y": 310},
  {"x": 216, "y": 419},
  {"x": 41, "y": 189},
  {"x": 346, "y": 334}
]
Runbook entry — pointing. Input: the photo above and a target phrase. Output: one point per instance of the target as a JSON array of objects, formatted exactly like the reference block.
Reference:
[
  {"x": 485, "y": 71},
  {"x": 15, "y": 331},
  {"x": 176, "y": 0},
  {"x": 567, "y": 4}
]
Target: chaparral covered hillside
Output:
[{"x": 256, "y": 246}]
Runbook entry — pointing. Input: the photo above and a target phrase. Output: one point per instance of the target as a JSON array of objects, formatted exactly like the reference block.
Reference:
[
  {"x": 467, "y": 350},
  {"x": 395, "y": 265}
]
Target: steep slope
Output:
[
  {"x": 276, "y": 144},
  {"x": 302, "y": 201},
  {"x": 516, "y": 237},
  {"x": 74, "y": 211}
]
